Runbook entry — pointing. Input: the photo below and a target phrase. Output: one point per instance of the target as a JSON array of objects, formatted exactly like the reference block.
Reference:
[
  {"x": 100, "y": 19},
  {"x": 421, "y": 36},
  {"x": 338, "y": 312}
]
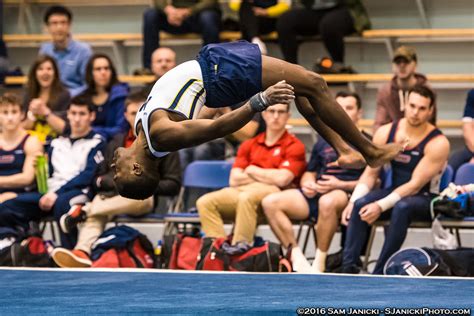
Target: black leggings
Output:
[
  {"x": 251, "y": 25},
  {"x": 332, "y": 25}
]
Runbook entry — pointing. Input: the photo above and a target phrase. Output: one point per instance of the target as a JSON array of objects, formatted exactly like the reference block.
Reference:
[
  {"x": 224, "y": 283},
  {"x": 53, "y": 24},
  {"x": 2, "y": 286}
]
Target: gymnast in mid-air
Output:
[{"x": 175, "y": 113}]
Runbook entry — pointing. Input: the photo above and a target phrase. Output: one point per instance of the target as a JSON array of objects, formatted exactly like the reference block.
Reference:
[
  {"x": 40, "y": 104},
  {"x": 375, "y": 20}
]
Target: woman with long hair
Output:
[
  {"x": 46, "y": 100},
  {"x": 107, "y": 94}
]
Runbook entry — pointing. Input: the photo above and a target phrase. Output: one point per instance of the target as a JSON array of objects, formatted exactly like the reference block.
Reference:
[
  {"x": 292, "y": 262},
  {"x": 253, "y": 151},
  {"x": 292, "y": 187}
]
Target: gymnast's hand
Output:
[{"x": 281, "y": 92}]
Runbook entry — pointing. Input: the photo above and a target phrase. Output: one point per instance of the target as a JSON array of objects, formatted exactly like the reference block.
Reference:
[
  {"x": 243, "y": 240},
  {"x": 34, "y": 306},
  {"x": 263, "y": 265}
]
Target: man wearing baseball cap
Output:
[{"x": 392, "y": 97}]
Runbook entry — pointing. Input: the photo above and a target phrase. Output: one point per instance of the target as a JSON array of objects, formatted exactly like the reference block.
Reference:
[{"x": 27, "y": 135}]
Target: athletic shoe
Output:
[
  {"x": 71, "y": 258},
  {"x": 298, "y": 261},
  {"x": 240, "y": 248},
  {"x": 326, "y": 65},
  {"x": 70, "y": 220},
  {"x": 350, "y": 269}
]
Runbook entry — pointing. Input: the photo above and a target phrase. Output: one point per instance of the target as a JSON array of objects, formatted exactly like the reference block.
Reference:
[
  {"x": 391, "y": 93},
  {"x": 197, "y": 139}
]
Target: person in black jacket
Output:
[{"x": 107, "y": 203}]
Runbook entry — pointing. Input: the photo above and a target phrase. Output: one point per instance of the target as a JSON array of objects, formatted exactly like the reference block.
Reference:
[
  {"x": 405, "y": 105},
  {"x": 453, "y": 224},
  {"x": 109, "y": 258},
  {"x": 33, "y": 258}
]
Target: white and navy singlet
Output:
[{"x": 180, "y": 90}]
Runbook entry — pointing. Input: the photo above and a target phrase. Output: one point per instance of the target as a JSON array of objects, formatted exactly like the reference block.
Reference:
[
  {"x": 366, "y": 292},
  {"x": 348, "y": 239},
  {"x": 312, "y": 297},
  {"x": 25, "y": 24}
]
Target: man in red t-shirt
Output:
[{"x": 267, "y": 163}]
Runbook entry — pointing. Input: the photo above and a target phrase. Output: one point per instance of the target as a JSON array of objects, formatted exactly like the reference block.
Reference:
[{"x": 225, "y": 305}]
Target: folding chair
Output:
[
  {"x": 50, "y": 222},
  {"x": 211, "y": 175},
  {"x": 309, "y": 223}
]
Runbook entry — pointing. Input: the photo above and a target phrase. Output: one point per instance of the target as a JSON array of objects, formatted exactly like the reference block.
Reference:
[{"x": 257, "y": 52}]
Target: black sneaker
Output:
[
  {"x": 240, "y": 248},
  {"x": 326, "y": 65},
  {"x": 70, "y": 220},
  {"x": 349, "y": 269}
]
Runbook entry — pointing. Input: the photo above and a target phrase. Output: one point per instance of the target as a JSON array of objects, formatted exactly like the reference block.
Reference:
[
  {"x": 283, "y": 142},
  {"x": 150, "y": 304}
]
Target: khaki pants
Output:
[
  {"x": 242, "y": 204},
  {"x": 101, "y": 210}
]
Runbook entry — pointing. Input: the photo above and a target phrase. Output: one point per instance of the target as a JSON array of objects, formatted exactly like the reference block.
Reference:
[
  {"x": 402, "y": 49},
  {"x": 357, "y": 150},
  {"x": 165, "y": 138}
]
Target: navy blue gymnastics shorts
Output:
[
  {"x": 313, "y": 206},
  {"x": 232, "y": 72}
]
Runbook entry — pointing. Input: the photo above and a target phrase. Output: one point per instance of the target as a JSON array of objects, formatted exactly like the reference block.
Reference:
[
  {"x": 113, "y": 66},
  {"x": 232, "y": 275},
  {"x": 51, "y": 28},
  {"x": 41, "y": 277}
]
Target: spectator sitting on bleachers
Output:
[
  {"x": 107, "y": 95},
  {"x": 18, "y": 151},
  {"x": 70, "y": 55},
  {"x": 467, "y": 153},
  {"x": 332, "y": 19},
  {"x": 46, "y": 100},
  {"x": 179, "y": 17},
  {"x": 107, "y": 203},
  {"x": 392, "y": 97},
  {"x": 73, "y": 162},
  {"x": 258, "y": 17},
  {"x": 324, "y": 194},
  {"x": 265, "y": 164},
  {"x": 416, "y": 174},
  {"x": 162, "y": 60}
]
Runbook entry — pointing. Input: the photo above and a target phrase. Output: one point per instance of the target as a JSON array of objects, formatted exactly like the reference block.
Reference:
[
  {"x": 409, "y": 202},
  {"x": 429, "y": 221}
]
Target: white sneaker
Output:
[
  {"x": 319, "y": 262},
  {"x": 299, "y": 262},
  {"x": 261, "y": 45}
]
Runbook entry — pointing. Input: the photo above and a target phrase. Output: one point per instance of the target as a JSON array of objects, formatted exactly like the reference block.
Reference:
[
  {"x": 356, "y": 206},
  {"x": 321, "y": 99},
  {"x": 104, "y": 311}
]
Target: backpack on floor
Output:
[
  {"x": 20, "y": 250},
  {"x": 432, "y": 262},
  {"x": 456, "y": 201},
  {"x": 264, "y": 256},
  {"x": 181, "y": 251},
  {"x": 122, "y": 247}
]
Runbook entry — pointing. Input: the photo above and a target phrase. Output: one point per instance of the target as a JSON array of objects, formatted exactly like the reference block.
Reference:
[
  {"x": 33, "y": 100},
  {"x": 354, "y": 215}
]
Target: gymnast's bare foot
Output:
[
  {"x": 385, "y": 154},
  {"x": 350, "y": 160}
]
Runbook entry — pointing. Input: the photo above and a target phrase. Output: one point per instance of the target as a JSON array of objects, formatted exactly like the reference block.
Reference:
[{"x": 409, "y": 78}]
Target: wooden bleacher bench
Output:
[
  {"x": 328, "y": 78},
  {"x": 122, "y": 37},
  {"x": 396, "y": 33},
  {"x": 300, "y": 122},
  {"x": 368, "y": 123},
  {"x": 82, "y": 2},
  {"x": 391, "y": 37},
  {"x": 115, "y": 40}
]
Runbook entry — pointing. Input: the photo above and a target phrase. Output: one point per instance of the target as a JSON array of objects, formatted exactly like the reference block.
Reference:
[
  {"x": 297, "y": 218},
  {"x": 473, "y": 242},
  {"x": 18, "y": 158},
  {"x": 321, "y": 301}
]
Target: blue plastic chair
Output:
[
  {"x": 465, "y": 174},
  {"x": 210, "y": 174},
  {"x": 446, "y": 178},
  {"x": 205, "y": 174}
]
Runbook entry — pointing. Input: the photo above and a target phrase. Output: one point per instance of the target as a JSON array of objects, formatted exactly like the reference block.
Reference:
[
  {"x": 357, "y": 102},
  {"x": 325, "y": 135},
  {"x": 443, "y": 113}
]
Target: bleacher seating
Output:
[
  {"x": 81, "y": 2},
  {"x": 369, "y": 123},
  {"x": 124, "y": 45},
  {"x": 329, "y": 78},
  {"x": 419, "y": 33}
]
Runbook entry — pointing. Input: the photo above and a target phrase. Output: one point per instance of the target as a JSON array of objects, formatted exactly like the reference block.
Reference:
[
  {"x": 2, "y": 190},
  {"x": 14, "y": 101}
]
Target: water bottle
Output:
[
  {"x": 41, "y": 173},
  {"x": 158, "y": 261}
]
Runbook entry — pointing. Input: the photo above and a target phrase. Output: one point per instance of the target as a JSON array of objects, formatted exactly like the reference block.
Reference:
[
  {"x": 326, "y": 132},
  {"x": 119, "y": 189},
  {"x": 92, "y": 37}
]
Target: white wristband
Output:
[
  {"x": 360, "y": 190},
  {"x": 389, "y": 201}
]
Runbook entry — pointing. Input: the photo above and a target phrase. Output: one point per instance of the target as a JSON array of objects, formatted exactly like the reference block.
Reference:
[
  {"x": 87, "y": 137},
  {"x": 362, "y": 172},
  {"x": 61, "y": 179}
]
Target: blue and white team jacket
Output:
[{"x": 74, "y": 162}]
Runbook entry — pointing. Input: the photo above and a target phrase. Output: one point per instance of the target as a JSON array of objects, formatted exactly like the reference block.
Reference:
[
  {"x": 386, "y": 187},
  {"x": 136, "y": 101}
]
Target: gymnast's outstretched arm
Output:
[{"x": 168, "y": 135}]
